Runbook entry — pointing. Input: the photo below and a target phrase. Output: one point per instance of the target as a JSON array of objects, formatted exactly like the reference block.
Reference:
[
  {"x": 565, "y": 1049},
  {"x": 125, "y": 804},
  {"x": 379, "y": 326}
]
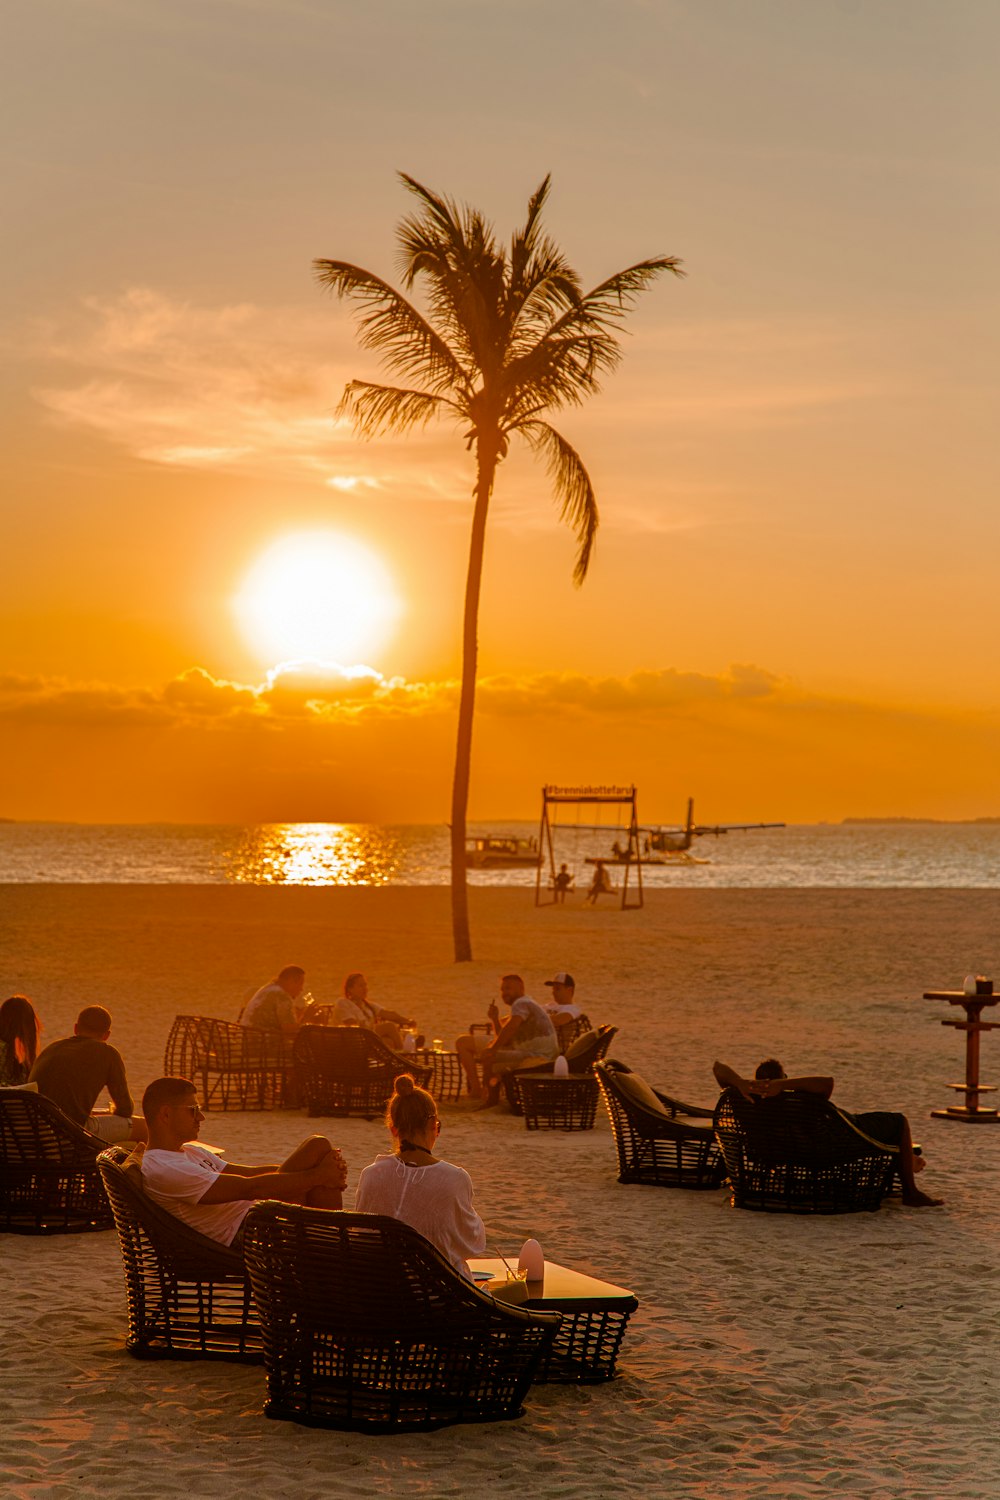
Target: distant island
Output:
[{"x": 945, "y": 822}]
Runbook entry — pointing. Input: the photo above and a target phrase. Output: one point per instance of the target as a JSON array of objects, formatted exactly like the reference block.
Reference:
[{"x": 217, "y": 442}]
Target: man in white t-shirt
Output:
[
  {"x": 526, "y": 1036},
  {"x": 562, "y": 1008},
  {"x": 212, "y": 1195}
]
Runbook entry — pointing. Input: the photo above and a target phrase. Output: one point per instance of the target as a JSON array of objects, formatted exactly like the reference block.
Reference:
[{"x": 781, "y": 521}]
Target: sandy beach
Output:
[{"x": 771, "y": 1356}]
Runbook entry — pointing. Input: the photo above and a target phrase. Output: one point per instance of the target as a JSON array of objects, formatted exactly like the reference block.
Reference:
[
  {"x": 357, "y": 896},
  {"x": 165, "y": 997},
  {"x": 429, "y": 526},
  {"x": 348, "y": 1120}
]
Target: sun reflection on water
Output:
[{"x": 314, "y": 854}]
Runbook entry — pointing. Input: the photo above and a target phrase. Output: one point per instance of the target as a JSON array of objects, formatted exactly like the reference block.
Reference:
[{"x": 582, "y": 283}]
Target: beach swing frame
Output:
[{"x": 554, "y": 797}]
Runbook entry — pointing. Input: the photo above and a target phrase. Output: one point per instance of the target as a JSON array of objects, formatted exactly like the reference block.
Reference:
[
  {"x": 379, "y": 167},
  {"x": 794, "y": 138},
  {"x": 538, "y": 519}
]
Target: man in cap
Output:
[{"x": 562, "y": 1009}]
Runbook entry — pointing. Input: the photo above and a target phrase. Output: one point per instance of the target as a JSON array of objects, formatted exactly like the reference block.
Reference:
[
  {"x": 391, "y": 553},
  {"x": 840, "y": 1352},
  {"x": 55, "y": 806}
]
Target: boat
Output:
[{"x": 494, "y": 851}]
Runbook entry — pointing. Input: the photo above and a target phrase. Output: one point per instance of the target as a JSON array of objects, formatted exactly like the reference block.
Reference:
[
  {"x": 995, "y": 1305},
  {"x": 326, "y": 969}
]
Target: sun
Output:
[{"x": 320, "y": 595}]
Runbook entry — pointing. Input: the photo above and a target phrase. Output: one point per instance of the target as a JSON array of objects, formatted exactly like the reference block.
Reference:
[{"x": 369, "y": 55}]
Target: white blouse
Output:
[{"x": 435, "y": 1200}]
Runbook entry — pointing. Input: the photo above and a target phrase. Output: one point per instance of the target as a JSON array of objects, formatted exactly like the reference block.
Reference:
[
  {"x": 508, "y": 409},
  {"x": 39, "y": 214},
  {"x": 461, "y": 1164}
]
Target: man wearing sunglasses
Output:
[{"x": 212, "y": 1195}]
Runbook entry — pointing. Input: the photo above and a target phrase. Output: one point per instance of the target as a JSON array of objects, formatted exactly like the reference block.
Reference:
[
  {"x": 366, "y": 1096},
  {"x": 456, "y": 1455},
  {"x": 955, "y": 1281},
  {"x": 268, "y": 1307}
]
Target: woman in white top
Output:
[{"x": 412, "y": 1184}]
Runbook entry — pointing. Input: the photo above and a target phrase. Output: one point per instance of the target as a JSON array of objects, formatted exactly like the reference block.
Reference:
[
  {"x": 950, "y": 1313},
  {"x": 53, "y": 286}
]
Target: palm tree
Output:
[{"x": 506, "y": 337}]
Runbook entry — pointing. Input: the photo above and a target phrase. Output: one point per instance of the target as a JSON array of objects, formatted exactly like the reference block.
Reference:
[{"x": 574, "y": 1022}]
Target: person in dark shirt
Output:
[
  {"x": 74, "y": 1071},
  {"x": 892, "y": 1131}
]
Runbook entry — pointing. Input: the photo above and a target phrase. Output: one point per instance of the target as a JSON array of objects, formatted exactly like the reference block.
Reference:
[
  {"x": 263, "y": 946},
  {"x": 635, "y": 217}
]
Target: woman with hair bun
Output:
[
  {"x": 410, "y": 1183},
  {"x": 20, "y": 1029}
]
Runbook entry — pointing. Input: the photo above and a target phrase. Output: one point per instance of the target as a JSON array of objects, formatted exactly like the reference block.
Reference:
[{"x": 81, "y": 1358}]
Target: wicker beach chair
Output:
[
  {"x": 660, "y": 1140},
  {"x": 569, "y": 1034},
  {"x": 580, "y": 1056},
  {"x": 187, "y": 1296},
  {"x": 344, "y": 1070},
  {"x": 368, "y": 1327},
  {"x": 49, "y": 1182},
  {"x": 798, "y": 1154},
  {"x": 232, "y": 1066}
]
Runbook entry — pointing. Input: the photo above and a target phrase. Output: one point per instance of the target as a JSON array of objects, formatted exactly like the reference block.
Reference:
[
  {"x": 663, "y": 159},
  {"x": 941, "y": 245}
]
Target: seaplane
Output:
[{"x": 661, "y": 844}]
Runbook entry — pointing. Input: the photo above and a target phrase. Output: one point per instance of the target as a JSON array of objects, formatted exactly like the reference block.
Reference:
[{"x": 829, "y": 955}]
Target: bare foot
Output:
[{"x": 917, "y": 1199}]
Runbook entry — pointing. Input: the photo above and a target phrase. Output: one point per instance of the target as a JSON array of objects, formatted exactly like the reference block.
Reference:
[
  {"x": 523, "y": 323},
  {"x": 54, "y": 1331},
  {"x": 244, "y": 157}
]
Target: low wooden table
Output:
[
  {"x": 971, "y": 1111},
  {"x": 548, "y": 1102},
  {"x": 594, "y": 1317}
]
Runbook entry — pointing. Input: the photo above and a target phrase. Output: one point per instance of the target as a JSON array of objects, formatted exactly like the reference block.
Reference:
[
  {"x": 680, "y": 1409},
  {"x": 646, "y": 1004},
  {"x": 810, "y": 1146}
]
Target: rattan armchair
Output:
[
  {"x": 344, "y": 1070},
  {"x": 660, "y": 1140},
  {"x": 797, "y": 1153},
  {"x": 368, "y": 1327},
  {"x": 569, "y": 1033},
  {"x": 187, "y": 1295},
  {"x": 232, "y": 1066},
  {"x": 49, "y": 1182},
  {"x": 581, "y": 1056}
]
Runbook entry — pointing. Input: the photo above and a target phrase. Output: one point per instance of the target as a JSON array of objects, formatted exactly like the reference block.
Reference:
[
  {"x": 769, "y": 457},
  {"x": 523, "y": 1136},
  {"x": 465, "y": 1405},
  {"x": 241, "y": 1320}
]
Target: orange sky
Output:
[{"x": 788, "y": 614}]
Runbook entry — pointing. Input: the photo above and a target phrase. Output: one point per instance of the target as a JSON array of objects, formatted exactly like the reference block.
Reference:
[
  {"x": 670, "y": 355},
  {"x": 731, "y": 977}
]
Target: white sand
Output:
[{"x": 771, "y": 1355}]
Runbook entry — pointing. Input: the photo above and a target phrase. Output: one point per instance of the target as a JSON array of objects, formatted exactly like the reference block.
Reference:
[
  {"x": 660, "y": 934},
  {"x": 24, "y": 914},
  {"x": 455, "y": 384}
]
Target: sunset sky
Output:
[{"x": 792, "y": 610}]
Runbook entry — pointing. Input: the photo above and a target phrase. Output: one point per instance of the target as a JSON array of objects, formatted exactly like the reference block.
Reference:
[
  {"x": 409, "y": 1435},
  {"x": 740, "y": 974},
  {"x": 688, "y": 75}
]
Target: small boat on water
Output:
[{"x": 494, "y": 852}]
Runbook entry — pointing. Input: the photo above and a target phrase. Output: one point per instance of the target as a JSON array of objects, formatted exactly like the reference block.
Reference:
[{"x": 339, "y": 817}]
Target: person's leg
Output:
[
  {"x": 313, "y": 1150},
  {"x": 465, "y": 1046},
  {"x": 912, "y": 1195},
  {"x": 892, "y": 1130},
  {"x": 390, "y": 1034}
]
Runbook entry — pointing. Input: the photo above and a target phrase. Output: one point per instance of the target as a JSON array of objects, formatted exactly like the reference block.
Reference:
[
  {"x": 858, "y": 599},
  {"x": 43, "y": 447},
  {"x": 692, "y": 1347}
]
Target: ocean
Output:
[{"x": 364, "y": 854}]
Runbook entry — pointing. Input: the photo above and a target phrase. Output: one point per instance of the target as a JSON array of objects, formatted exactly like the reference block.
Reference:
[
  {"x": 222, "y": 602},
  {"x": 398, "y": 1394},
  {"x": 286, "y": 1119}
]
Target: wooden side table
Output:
[{"x": 971, "y": 1111}]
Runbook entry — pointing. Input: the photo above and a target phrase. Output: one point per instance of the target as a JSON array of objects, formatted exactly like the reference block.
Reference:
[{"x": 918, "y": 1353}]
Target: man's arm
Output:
[
  {"x": 393, "y": 1015},
  {"x": 506, "y": 1034},
  {"x": 767, "y": 1088},
  {"x": 286, "y": 1187},
  {"x": 728, "y": 1078},
  {"x": 117, "y": 1086}
]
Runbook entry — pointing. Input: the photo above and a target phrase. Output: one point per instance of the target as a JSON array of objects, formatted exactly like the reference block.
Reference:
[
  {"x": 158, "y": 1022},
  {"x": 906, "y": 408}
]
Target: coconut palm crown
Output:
[{"x": 506, "y": 336}]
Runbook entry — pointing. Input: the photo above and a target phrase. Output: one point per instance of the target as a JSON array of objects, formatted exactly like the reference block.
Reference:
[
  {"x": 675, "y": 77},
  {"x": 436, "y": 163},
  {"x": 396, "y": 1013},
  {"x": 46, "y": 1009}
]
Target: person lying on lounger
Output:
[
  {"x": 889, "y": 1130},
  {"x": 212, "y": 1195}
]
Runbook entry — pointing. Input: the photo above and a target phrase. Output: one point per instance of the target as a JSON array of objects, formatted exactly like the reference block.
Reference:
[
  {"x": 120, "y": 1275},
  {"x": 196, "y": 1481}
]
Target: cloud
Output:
[
  {"x": 241, "y": 389},
  {"x": 328, "y": 693},
  {"x": 317, "y": 742}
]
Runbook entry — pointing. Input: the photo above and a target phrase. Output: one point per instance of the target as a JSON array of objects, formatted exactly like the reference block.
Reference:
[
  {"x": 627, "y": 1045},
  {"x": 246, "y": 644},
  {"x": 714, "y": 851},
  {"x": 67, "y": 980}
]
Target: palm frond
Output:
[
  {"x": 376, "y": 409},
  {"x": 393, "y": 328},
  {"x": 607, "y": 304},
  {"x": 565, "y": 363},
  {"x": 577, "y": 501}
]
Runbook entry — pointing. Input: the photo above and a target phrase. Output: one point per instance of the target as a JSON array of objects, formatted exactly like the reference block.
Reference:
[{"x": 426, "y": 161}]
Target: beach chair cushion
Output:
[{"x": 638, "y": 1091}]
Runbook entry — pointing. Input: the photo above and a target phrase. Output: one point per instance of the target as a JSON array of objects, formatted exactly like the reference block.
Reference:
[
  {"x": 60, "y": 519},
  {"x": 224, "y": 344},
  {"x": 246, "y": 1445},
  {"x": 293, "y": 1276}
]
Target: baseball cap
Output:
[{"x": 562, "y": 979}]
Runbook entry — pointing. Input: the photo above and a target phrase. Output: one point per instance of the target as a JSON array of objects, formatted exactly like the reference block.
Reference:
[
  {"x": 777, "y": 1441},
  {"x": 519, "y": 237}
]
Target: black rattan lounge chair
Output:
[
  {"x": 343, "y": 1070},
  {"x": 366, "y": 1326},
  {"x": 187, "y": 1296},
  {"x": 49, "y": 1182},
  {"x": 797, "y": 1154},
  {"x": 580, "y": 1056},
  {"x": 232, "y": 1066},
  {"x": 568, "y": 1034},
  {"x": 661, "y": 1141}
]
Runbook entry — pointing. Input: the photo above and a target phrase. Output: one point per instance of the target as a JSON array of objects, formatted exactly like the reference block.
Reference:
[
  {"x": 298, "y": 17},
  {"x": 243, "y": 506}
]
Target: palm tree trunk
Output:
[{"x": 486, "y": 459}]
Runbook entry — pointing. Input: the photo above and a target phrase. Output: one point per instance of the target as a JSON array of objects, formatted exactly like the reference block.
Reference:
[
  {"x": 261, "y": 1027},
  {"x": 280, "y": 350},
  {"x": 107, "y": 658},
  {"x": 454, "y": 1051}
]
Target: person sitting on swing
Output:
[{"x": 600, "y": 885}]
